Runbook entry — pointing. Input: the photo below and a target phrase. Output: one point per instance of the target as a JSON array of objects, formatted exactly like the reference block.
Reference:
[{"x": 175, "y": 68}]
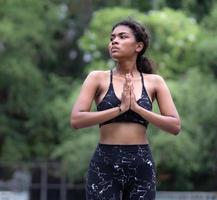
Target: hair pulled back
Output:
[{"x": 143, "y": 63}]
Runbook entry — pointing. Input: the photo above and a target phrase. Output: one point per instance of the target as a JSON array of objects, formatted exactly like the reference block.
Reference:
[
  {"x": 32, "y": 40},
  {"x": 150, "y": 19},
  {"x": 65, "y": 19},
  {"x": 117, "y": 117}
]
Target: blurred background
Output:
[{"x": 47, "y": 47}]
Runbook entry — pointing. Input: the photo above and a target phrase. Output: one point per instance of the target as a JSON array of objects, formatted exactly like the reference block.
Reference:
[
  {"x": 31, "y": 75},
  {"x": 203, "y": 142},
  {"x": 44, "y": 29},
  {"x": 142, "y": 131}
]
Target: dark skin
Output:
[{"x": 124, "y": 49}]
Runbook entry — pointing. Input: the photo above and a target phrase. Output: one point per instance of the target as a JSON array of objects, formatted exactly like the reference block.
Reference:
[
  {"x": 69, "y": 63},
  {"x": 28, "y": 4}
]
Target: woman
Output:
[{"x": 122, "y": 166}]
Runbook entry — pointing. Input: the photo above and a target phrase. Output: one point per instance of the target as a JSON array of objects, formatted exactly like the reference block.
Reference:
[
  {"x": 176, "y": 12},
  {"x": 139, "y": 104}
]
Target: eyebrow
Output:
[{"x": 121, "y": 33}]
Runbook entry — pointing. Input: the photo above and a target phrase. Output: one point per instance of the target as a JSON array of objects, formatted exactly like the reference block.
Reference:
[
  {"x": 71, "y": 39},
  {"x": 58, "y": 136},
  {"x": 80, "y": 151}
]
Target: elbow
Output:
[
  {"x": 176, "y": 129},
  {"x": 74, "y": 123},
  {"x": 77, "y": 121}
]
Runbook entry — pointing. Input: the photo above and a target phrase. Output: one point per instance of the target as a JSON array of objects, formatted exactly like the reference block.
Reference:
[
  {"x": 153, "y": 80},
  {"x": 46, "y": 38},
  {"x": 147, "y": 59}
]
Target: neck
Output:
[{"x": 126, "y": 68}]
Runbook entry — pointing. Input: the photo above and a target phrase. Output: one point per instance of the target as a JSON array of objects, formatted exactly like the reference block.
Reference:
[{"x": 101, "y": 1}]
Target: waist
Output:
[{"x": 123, "y": 133}]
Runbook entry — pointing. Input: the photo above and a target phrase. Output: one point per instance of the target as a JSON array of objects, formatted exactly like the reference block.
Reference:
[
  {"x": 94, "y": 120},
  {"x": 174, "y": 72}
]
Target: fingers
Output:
[
  {"x": 125, "y": 99},
  {"x": 128, "y": 82},
  {"x": 132, "y": 95},
  {"x": 128, "y": 99}
]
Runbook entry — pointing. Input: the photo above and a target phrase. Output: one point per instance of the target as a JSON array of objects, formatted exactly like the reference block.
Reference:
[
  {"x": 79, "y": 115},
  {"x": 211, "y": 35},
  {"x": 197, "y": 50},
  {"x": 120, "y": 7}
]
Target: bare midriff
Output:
[{"x": 123, "y": 134}]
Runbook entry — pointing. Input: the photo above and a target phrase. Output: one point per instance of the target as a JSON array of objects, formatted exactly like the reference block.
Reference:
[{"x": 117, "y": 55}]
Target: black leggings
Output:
[{"x": 121, "y": 172}]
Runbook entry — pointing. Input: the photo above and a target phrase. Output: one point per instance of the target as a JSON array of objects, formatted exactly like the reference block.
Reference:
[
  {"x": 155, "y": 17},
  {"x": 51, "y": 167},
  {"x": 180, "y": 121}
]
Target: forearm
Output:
[
  {"x": 169, "y": 124},
  {"x": 82, "y": 119}
]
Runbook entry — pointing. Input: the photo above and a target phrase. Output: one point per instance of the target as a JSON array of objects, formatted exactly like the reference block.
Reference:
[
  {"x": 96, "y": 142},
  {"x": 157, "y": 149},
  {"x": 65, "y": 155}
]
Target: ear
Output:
[{"x": 139, "y": 47}]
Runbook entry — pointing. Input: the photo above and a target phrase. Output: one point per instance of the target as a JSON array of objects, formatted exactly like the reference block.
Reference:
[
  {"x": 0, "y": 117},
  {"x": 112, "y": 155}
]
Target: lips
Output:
[{"x": 113, "y": 49}]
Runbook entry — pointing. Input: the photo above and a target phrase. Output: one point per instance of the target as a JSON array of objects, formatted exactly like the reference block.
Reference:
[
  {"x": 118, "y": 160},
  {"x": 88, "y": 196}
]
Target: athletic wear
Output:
[
  {"x": 121, "y": 172},
  {"x": 110, "y": 100}
]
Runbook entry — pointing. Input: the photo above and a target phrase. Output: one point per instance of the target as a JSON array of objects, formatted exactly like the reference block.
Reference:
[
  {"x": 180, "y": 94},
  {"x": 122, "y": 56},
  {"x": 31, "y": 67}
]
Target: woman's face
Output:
[{"x": 123, "y": 44}]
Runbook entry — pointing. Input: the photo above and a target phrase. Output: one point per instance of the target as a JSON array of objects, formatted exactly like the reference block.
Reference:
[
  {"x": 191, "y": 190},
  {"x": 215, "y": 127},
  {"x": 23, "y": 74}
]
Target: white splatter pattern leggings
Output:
[{"x": 121, "y": 172}]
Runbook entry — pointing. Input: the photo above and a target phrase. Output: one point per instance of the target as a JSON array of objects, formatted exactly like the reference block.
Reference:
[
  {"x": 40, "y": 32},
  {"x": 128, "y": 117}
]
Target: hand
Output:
[
  {"x": 133, "y": 103},
  {"x": 125, "y": 97}
]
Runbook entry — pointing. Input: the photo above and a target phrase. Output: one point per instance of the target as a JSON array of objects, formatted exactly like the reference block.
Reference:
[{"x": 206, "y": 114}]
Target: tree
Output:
[
  {"x": 76, "y": 149},
  {"x": 28, "y": 94},
  {"x": 194, "y": 8},
  {"x": 188, "y": 161},
  {"x": 205, "y": 54}
]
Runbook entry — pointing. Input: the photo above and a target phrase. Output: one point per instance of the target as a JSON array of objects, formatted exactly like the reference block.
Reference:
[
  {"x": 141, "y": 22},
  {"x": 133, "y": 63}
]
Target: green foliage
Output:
[
  {"x": 136, "y": 4},
  {"x": 173, "y": 38},
  {"x": 199, "y": 115},
  {"x": 50, "y": 126},
  {"x": 28, "y": 27},
  {"x": 28, "y": 96},
  {"x": 76, "y": 152},
  {"x": 205, "y": 54},
  {"x": 193, "y": 152},
  {"x": 17, "y": 105},
  {"x": 170, "y": 155},
  {"x": 171, "y": 159},
  {"x": 14, "y": 149},
  {"x": 76, "y": 148},
  {"x": 209, "y": 22},
  {"x": 14, "y": 78},
  {"x": 37, "y": 120},
  {"x": 170, "y": 47},
  {"x": 196, "y": 8}
]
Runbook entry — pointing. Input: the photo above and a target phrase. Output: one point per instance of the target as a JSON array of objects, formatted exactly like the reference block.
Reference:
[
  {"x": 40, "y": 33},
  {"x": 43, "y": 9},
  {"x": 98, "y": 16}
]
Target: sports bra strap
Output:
[
  {"x": 143, "y": 85},
  {"x": 111, "y": 76}
]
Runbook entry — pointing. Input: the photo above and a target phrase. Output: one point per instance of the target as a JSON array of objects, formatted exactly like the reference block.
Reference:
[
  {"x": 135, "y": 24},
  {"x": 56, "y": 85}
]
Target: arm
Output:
[
  {"x": 169, "y": 119},
  {"x": 81, "y": 116}
]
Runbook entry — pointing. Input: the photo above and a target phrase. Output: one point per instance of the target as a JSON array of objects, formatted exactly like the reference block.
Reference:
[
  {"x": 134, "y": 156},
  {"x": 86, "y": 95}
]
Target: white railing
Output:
[
  {"x": 9, "y": 195},
  {"x": 186, "y": 196}
]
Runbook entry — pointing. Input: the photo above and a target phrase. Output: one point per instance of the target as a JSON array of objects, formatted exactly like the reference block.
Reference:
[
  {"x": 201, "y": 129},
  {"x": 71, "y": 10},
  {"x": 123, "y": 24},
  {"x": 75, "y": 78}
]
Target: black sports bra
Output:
[{"x": 110, "y": 100}]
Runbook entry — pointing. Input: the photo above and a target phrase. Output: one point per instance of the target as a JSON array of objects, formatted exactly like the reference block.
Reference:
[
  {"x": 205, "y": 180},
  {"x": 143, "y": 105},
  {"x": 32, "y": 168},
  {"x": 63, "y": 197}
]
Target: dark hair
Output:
[{"x": 143, "y": 63}]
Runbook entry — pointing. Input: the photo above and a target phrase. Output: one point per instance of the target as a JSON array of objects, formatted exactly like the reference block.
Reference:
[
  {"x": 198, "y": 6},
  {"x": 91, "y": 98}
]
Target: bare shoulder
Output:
[
  {"x": 97, "y": 74},
  {"x": 154, "y": 79},
  {"x": 156, "y": 83}
]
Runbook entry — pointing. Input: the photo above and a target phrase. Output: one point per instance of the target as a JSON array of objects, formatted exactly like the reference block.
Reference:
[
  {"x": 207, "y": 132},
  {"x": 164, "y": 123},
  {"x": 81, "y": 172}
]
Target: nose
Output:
[{"x": 114, "y": 41}]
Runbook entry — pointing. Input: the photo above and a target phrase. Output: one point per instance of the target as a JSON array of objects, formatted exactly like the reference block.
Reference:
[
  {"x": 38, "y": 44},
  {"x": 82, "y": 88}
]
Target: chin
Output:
[{"x": 116, "y": 57}]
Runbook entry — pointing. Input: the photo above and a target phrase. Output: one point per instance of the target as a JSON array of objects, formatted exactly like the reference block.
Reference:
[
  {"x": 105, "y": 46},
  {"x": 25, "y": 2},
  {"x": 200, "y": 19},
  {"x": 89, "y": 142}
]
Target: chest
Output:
[{"x": 118, "y": 85}]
